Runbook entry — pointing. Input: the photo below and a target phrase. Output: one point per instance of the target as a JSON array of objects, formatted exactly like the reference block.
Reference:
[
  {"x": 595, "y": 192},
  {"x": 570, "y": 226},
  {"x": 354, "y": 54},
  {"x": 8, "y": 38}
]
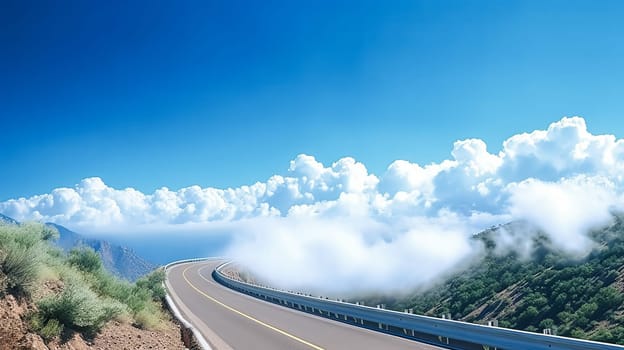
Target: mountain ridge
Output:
[
  {"x": 121, "y": 261},
  {"x": 8, "y": 220}
]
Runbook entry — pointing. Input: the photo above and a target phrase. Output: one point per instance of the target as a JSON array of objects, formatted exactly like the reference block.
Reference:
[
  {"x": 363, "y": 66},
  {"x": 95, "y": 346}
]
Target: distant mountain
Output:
[
  {"x": 8, "y": 220},
  {"x": 121, "y": 261}
]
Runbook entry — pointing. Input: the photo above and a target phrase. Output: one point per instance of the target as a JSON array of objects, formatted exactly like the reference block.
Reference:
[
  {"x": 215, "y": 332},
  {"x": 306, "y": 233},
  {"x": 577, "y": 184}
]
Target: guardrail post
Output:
[
  {"x": 441, "y": 338},
  {"x": 405, "y": 330},
  {"x": 492, "y": 323},
  {"x": 382, "y": 307}
]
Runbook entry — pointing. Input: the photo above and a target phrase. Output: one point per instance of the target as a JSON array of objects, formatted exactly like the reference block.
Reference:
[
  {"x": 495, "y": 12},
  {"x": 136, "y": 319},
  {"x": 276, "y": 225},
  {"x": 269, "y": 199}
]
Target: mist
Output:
[
  {"x": 567, "y": 210},
  {"x": 348, "y": 256}
]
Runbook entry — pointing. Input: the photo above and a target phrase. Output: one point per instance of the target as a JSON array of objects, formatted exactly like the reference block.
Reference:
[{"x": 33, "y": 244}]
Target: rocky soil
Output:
[{"x": 14, "y": 334}]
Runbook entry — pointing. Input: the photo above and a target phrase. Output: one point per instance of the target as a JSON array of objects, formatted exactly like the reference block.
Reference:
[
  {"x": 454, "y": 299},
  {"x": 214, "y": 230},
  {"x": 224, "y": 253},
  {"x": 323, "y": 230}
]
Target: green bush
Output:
[
  {"x": 26, "y": 235},
  {"x": 3, "y": 283},
  {"x": 21, "y": 251},
  {"x": 52, "y": 329},
  {"x": 149, "y": 318},
  {"x": 20, "y": 266},
  {"x": 3, "y": 277},
  {"x": 79, "y": 308},
  {"x": 108, "y": 285},
  {"x": 49, "y": 233},
  {"x": 47, "y": 329},
  {"x": 35, "y": 321},
  {"x": 85, "y": 259},
  {"x": 140, "y": 298},
  {"x": 154, "y": 283}
]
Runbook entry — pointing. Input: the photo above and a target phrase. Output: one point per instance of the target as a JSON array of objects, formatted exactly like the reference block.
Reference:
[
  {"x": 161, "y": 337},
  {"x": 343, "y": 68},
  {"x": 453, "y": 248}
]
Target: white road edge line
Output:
[{"x": 176, "y": 312}]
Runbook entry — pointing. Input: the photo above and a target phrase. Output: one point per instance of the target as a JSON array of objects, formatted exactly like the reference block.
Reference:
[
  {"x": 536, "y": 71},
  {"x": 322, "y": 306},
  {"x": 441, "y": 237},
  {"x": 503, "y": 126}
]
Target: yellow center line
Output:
[{"x": 247, "y": 316}]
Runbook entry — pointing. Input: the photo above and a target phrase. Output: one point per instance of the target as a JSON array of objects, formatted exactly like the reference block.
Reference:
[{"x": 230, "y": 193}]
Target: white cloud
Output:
[
  {"x": 563, "y": 180},
  {"x": 473, "y": 157},
  {"x": 566, "y": 209},
  {"x": 565, "y": 149},
  {"x": 343, "y": 256}
]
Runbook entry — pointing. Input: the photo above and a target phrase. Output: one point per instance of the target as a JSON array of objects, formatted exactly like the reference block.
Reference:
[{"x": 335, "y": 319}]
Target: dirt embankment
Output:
[{"x": 14, "y": 334}]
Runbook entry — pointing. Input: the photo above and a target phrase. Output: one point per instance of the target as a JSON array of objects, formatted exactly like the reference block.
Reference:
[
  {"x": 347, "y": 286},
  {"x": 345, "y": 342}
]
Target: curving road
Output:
[{"x": 231, "y": 320}]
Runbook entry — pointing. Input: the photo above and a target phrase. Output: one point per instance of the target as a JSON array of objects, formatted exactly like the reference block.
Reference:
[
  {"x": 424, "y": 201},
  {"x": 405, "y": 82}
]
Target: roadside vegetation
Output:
[
  {"x": 72, "y": 292},
  {"x": 548, "y": 290}
]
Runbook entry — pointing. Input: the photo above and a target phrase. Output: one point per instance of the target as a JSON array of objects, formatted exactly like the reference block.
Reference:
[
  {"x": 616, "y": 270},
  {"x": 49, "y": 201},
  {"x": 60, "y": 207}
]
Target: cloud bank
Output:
[{"x": 372, "y": 230}]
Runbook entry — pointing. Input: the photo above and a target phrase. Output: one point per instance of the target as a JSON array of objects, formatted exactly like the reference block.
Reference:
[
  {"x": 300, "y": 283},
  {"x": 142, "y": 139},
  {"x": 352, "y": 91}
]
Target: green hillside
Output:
[
  {"x": 580, "y": 298},
  {"x": 71, "y": 292}
]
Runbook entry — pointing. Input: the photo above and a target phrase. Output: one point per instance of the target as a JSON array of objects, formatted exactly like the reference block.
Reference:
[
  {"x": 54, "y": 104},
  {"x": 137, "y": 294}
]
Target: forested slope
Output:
[{"x": 578, "y": 297}]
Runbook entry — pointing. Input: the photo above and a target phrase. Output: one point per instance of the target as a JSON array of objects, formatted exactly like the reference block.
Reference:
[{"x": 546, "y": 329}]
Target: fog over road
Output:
[{"x": 232, "y": 320}]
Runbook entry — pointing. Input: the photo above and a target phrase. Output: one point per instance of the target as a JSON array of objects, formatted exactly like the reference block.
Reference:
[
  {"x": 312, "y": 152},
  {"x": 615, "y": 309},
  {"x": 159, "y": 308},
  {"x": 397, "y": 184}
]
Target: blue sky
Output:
[{"x": 227, "y": 93}]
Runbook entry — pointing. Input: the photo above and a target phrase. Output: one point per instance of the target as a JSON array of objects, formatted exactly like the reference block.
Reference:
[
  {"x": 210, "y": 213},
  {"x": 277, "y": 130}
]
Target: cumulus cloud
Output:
[
  {"x": 370, "y": 229},
  {"x": 565, "y": 149}
]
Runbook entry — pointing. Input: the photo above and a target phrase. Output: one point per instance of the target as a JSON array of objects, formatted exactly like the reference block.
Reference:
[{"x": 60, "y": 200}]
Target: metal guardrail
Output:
[
  {"x": 441, "y": 332},
  {"x": 176, "y": 312},
  {"x": 178, "y": 262}
]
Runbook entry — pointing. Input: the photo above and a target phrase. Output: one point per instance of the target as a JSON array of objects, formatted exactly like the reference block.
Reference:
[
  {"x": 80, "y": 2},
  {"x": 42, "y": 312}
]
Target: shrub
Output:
[
  {"x": 3, "y": 283},
  {"x": 46, "y": 329},
  {"x": 113, "y": 309},
  {"x": 3, "y": 277},
  {"x": 26, "y": 235},
  {"x": 35, "y": 321},
  {"x": 149, "y": 318},
  {"x": 140, "y": 299},
  {"x": 52, "y": 329},
  {"x": 108, "y": 285},
  {"x": 79, "y": 308},
  {"x": 21, "y": 250},
  {"x": 154, "y": 283},
  {"x": 49, "y": 233},
  {"x": 20, "y": 266},
  {"x": 85, "y": 259}
]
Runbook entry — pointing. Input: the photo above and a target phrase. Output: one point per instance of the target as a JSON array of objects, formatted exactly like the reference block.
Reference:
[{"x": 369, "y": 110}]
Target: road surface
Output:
[{"x": 232, "y": 320}]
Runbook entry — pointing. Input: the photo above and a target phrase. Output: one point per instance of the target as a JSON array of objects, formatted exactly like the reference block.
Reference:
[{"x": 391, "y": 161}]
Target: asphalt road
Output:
[{"x": 232, "y": 320}]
